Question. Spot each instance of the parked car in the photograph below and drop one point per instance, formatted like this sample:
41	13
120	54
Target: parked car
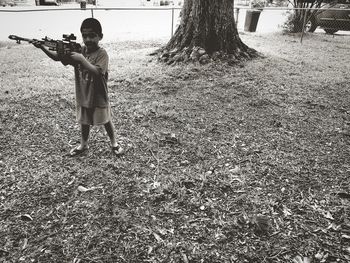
331	17
46	2
7	2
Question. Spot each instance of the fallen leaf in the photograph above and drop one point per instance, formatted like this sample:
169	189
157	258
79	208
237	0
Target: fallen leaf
286	211
262	223
347	237
157	237
184	257
319	255
328	215
26	217
334	227
25	243
299	259
72	181
235	170
3	253
83	189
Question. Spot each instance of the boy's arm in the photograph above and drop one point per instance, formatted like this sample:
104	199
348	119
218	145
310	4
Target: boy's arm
79	58
51	54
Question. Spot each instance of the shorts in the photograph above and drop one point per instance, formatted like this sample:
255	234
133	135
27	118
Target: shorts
93	116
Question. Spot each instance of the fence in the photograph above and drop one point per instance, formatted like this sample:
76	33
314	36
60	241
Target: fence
127	23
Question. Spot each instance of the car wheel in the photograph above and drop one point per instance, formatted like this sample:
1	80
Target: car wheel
330	31
310	26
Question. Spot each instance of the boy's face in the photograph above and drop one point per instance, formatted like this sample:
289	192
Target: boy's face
90	39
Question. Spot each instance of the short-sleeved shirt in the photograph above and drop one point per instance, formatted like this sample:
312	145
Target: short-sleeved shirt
91	90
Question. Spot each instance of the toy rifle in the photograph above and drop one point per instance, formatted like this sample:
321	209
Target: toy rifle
63	47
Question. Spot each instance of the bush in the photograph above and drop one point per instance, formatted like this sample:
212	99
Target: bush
293	23
288	25
282	3
259	4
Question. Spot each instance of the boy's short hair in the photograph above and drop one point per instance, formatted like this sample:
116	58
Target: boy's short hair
92	23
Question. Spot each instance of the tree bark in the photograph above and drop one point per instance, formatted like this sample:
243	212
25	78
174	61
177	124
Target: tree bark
207	30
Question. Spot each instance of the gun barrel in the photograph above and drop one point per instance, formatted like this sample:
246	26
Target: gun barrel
18	39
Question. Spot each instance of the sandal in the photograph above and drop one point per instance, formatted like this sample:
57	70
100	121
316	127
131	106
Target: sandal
118	150
76	151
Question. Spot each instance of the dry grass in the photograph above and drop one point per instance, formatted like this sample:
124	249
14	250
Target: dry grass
223	164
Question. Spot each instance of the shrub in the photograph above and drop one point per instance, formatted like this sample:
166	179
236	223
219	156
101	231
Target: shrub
259	4
293	23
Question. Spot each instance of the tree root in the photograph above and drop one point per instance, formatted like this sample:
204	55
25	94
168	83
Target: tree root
199	55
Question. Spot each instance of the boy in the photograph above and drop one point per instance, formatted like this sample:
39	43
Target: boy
91	74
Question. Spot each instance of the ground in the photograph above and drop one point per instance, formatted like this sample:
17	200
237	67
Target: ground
223	163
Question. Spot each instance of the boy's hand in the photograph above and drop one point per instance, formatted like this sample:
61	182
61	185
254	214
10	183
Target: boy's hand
77	57
37	44
66	61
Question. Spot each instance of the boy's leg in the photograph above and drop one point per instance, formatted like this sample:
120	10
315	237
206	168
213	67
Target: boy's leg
110	131
116	148
85	131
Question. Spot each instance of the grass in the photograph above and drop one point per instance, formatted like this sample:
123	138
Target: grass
224	164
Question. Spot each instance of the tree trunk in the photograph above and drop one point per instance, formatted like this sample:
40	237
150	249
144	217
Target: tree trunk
207	30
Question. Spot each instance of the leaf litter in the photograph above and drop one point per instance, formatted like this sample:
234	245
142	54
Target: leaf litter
223	164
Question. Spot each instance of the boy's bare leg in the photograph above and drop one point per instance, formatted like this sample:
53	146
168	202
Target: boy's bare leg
85	131
116	149
110	131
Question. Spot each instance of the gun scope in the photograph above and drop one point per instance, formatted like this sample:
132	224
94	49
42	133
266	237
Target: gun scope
69	37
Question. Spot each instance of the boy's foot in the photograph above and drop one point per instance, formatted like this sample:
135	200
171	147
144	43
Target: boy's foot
78	150
117	150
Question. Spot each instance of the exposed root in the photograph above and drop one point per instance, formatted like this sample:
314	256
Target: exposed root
200	55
